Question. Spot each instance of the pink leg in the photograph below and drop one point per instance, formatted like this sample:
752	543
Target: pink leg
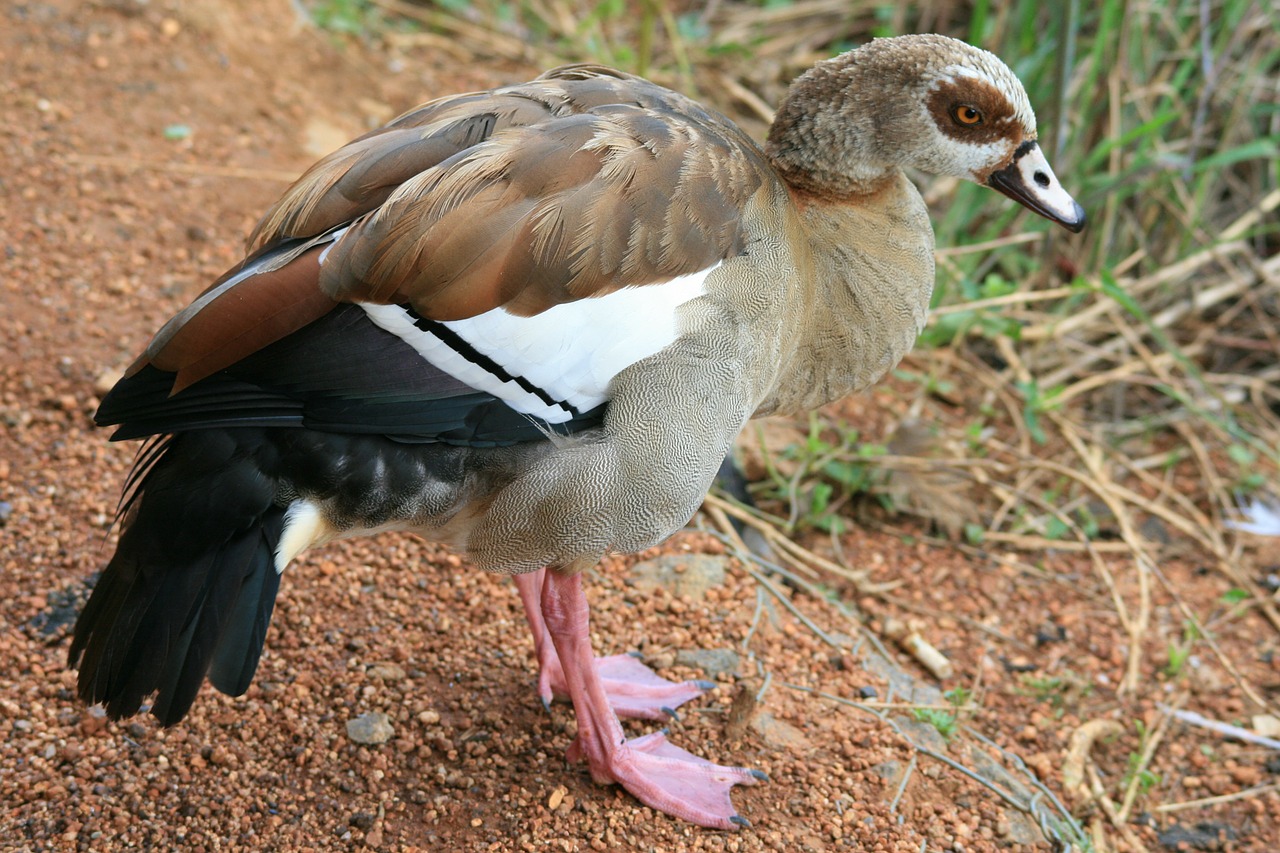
634	690
659	774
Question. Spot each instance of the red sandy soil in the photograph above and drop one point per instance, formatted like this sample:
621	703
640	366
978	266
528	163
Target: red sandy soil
140	142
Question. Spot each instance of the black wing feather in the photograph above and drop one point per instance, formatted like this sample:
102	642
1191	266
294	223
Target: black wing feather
340	374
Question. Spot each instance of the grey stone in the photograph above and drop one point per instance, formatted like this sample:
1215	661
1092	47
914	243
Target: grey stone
682	575
372	728
711	661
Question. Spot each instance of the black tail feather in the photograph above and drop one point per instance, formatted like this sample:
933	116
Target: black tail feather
192	584
236	658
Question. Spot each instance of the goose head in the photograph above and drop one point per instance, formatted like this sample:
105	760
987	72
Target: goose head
926	102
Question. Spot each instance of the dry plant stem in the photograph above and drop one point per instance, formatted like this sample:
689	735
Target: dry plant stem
909	640
747	97
1209	639
1208	802
1132	370
1024	542
483	41
1202	530
1082	741
1090	548
805	561
1010	299
1222	498
795	611
435	42
1109	809
923	750
133	164
1144	760
1100	482
726	527
720	510
1000	301
1224	729
1253	217
902	787
1078	324
876	708
998	389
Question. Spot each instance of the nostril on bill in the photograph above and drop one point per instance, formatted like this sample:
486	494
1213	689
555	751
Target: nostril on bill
1041	179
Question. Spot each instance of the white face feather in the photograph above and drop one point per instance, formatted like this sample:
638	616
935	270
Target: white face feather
988	68
970	161
974	158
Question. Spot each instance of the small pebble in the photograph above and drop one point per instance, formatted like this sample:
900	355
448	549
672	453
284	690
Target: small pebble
372	728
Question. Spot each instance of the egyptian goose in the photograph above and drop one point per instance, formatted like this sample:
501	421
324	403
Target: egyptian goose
528	323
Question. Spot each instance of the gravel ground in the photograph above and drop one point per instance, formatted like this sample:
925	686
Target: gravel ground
141	141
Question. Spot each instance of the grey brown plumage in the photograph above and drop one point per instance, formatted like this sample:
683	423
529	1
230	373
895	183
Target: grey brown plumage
578	183
529	323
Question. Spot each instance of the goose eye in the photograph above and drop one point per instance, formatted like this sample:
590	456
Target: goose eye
967	115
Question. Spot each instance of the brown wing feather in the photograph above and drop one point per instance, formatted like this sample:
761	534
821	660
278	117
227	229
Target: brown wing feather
576	184
240	321
573	185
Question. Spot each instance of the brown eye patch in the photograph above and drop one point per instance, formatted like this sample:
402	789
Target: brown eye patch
972	110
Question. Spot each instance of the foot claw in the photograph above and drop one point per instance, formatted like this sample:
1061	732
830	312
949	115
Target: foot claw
670	712
705	685
760	775
739	820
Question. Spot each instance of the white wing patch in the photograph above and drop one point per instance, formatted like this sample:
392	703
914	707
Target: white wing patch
556	363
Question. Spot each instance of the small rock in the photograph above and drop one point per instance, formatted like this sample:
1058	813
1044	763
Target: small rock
779	734
682	574
1267	725
387	671
892	773
1019	830
557	797
372	728
107	380
1246	775
1205	835
711	661
362	821
1219	784
93	721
